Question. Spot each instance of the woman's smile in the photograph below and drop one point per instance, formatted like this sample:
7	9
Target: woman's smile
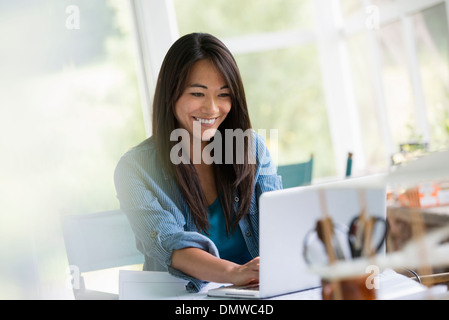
206	122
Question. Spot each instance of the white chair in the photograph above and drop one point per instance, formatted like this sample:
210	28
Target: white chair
97	241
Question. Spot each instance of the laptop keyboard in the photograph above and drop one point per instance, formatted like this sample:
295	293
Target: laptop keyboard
253	287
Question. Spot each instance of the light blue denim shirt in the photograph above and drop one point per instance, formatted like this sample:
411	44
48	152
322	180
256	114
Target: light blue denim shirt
162	222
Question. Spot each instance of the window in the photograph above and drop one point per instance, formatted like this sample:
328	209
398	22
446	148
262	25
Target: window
366	100
275	47
399	67
397	83
365	84
74	106
432	41
70	109
350	7
233	18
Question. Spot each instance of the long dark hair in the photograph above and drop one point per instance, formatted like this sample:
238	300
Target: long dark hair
234	179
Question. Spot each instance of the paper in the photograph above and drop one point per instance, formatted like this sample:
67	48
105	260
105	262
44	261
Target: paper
150	285
396	286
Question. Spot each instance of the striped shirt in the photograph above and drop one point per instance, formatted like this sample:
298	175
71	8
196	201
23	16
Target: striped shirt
162	221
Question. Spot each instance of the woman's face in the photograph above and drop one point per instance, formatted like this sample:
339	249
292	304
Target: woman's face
205	101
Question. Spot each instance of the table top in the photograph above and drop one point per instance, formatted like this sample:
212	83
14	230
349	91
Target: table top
148	285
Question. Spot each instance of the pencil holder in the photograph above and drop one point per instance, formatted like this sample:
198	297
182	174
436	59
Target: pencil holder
353	288
327	244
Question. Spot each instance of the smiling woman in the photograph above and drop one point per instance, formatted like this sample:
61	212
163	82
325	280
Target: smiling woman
196	219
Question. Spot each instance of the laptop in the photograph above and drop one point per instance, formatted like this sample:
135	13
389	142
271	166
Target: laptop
286	217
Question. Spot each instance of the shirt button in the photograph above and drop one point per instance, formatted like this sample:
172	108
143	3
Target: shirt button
154	234
236	199
248	234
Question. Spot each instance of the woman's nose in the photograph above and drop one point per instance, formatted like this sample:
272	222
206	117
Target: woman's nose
210	106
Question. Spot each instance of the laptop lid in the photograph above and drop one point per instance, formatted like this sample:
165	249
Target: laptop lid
286	216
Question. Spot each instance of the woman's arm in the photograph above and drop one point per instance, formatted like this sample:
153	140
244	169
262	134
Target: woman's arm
155	217
203	265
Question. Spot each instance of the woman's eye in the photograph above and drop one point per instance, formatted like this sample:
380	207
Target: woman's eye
197	94
224	95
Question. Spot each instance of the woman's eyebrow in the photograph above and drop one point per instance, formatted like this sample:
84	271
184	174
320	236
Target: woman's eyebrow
197	85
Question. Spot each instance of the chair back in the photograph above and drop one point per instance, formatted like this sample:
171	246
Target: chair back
295	175
100	240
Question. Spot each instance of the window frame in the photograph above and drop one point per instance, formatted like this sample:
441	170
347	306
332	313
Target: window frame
151	47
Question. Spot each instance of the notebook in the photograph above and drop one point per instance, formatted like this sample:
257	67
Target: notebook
286	216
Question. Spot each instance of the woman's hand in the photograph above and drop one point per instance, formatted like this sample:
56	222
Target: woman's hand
245	274
202	265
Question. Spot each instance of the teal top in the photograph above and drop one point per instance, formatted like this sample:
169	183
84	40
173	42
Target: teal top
233	247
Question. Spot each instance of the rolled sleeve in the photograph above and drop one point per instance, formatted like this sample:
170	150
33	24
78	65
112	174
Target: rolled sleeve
190	240
157	222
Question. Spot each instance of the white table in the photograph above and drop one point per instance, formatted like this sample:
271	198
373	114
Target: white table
149	285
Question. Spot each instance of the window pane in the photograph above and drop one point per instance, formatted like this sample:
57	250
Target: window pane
374	148
381	2
431	29
225	18
284	92
70	109
397	86
350	7
81	109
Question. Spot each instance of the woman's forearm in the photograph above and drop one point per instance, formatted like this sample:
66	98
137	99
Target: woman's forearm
204	266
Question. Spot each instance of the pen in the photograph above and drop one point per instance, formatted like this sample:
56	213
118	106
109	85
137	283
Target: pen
349	165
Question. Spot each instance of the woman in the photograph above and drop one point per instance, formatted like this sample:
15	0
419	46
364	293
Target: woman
191	190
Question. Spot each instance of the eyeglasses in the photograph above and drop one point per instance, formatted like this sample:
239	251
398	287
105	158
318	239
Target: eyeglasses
364	237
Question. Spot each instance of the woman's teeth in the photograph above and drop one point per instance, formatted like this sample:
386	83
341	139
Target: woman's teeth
205	121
